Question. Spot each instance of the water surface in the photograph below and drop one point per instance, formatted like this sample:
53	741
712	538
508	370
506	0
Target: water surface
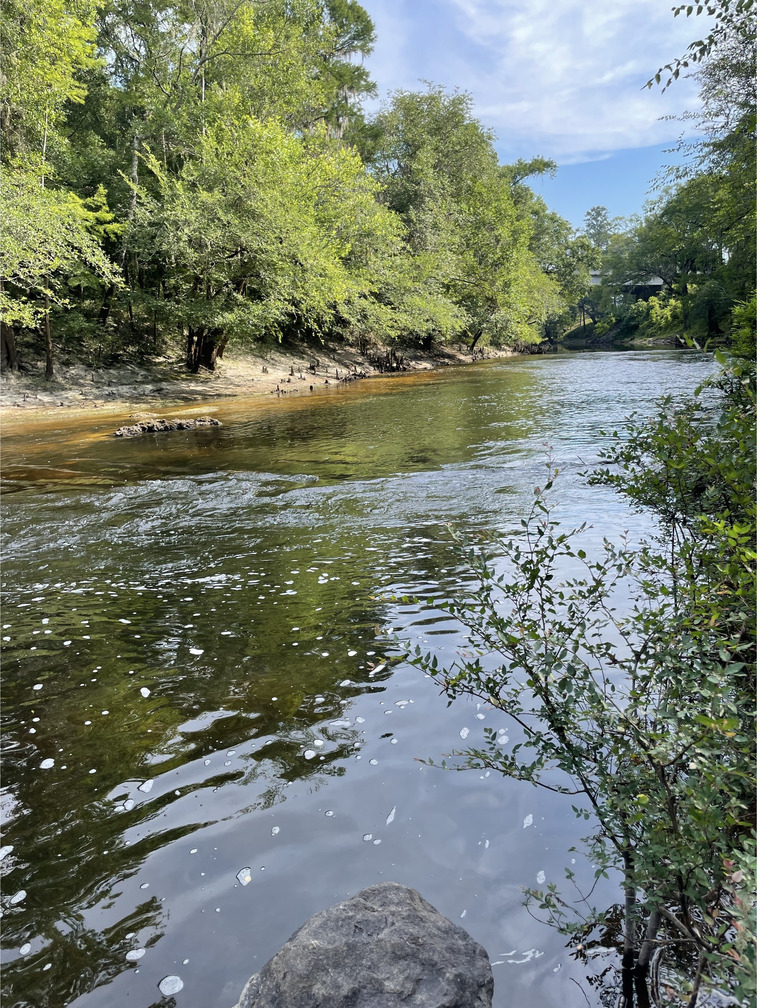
194	683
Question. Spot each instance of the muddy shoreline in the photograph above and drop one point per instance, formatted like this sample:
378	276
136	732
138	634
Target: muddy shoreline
78	390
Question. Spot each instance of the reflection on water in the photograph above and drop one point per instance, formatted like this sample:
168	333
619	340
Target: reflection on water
198	682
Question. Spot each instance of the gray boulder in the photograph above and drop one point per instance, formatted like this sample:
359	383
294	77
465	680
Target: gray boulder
385	947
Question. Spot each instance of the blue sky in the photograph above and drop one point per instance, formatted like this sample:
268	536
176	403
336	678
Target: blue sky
559	78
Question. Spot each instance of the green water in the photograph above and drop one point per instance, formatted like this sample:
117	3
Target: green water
194	630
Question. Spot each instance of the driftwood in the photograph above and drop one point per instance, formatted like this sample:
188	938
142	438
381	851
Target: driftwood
154	426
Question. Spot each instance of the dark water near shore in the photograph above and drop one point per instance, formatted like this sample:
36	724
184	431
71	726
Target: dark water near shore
195	627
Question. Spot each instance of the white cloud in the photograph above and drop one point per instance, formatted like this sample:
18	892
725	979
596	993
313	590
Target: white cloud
564	78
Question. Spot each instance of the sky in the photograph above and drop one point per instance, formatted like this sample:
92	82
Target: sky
559	78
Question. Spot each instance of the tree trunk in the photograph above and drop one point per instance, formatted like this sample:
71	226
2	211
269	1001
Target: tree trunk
628	935
136	141
9	353
475	340
49	374
641	969
210	349
195	342
9	349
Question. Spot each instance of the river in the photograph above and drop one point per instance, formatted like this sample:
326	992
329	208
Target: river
195	630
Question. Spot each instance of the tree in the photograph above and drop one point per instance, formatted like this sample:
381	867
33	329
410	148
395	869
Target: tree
599	227
47	45
48	251
439	172
262	233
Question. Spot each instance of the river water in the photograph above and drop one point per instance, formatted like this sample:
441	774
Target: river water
203	745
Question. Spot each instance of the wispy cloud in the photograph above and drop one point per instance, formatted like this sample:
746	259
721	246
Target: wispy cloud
564	78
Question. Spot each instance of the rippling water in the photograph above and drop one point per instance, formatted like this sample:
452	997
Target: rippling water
194	689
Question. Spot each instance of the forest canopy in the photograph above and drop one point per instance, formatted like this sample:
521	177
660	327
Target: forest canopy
181	177
204	173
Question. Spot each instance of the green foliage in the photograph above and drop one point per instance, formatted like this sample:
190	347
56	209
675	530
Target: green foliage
50	246
47	45
734	19
630	682
225	138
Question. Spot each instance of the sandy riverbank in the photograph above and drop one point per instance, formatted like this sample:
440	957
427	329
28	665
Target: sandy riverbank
77	389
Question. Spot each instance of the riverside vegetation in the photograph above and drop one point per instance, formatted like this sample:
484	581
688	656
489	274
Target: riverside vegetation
185	178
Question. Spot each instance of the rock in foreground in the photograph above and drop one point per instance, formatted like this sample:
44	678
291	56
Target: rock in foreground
151	426
385	947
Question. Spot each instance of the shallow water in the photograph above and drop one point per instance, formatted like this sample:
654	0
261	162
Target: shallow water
201	746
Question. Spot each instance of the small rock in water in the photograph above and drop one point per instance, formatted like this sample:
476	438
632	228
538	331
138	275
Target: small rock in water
309	753
376	842
196	651
329	813
274	831
134	955
464	733
367	836
170	985
4	851
390	817
244	876
541	877
373	762
18	897
25	949
146	786
145	691
528	821
359	720
46	764
128	805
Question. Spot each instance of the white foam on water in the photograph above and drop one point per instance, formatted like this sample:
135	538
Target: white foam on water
170	985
